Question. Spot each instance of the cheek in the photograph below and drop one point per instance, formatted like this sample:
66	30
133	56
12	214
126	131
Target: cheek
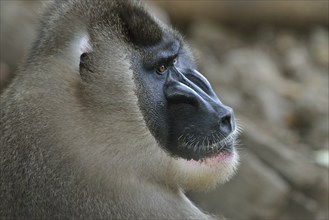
194	175
153	106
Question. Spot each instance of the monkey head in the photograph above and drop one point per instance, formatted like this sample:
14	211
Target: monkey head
194	131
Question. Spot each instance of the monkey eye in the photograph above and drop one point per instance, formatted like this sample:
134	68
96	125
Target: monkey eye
161	69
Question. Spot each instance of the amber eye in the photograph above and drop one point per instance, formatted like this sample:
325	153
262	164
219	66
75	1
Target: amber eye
161	69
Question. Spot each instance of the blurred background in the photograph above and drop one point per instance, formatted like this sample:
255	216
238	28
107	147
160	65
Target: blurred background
268	60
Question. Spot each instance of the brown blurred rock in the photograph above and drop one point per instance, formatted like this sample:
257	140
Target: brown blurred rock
4	72
4	75
319	46
291	164
301	13
320	195
18	21
301	207
256	192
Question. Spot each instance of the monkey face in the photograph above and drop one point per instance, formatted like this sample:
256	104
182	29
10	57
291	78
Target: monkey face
179	105
156	80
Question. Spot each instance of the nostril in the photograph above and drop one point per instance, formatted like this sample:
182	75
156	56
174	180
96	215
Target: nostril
225	124
226	120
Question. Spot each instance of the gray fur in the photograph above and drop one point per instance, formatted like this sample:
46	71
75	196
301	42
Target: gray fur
77	149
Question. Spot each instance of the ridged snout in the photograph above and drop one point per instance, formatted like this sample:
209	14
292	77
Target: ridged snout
187	87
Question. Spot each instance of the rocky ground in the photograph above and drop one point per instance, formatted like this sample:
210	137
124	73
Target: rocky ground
276	79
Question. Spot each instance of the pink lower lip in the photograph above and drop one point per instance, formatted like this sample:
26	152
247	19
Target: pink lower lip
222	157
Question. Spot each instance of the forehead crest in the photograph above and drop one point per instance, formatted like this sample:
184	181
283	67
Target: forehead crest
139	26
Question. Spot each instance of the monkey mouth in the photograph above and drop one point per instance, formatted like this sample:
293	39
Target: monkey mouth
223	156
206	149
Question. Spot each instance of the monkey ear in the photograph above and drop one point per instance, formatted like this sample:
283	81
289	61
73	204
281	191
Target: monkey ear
82	49
85	64
139	27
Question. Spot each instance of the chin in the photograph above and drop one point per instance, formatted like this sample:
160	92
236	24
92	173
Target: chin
206	173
